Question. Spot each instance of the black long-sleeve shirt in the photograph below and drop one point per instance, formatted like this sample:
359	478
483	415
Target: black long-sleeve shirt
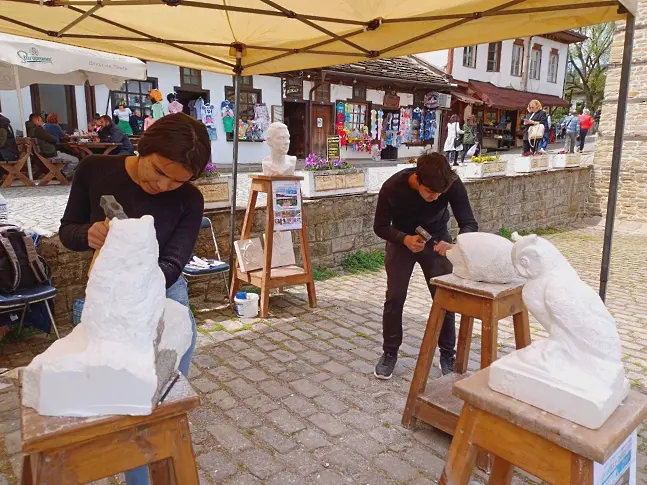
177	213
400	209
113	134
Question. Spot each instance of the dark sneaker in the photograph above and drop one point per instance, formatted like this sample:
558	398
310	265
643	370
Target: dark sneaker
447	364
385	366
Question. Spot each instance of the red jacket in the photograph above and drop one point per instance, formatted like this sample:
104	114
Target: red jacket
586	122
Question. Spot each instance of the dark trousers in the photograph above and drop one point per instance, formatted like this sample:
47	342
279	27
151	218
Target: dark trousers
466	147
399	265
583	133
452	156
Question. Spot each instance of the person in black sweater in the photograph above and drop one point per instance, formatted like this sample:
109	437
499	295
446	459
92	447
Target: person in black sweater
172	152
111	133
418	197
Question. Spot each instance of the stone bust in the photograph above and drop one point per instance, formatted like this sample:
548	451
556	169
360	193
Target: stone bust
279	162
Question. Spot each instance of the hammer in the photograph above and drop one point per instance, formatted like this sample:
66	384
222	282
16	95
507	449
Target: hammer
112	209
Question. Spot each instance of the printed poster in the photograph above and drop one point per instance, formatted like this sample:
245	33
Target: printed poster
620	469
286	200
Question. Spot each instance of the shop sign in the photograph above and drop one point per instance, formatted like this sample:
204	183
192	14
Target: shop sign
293	88
391	101
334	148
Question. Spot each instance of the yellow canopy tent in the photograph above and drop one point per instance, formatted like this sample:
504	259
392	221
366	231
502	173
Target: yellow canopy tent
246	37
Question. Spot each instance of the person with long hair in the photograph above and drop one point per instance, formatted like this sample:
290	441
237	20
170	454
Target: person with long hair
454	141
536	116
172	152
471	136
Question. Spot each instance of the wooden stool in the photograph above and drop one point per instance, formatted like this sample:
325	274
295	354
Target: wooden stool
487	302
72	451
268	277
551	448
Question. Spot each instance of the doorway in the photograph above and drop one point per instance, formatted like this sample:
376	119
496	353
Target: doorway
322	127
294	117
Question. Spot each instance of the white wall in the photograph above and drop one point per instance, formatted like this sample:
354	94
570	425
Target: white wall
503	78
436	58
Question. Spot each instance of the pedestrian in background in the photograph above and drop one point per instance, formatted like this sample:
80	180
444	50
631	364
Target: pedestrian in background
571	128
470	135
535	116
454	141
586	123
543	144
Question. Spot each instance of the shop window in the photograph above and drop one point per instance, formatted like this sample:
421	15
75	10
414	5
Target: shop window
55	98
493	56
248	98
358	116
491	117
190	77
134	94
516	67
553	63
469	56
322	93
359	92
534	72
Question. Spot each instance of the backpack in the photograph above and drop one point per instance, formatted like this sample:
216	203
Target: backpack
20	265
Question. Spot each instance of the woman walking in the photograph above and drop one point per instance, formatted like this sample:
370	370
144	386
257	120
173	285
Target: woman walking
586	123
535	116
454	142
470	136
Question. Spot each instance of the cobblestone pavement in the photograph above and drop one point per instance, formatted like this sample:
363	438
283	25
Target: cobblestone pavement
292	400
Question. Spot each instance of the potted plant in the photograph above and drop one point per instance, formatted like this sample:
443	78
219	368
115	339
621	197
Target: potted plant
534	163
215	188
565	160
410	163
323	177
484	166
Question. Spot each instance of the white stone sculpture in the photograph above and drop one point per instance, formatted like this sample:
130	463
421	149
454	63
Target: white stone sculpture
282	249
576	373
249	253
279	162
481	256
128	346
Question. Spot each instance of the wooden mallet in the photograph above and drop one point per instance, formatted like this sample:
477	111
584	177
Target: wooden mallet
112	209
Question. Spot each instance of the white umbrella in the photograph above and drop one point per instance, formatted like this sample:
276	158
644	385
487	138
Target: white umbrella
24	62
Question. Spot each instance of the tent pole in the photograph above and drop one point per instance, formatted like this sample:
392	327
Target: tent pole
617	152
234	166
21	108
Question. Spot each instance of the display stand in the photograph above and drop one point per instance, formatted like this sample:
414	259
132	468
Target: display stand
487	302
73	451
551	448
268	277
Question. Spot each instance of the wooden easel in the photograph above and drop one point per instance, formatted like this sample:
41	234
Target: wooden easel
268	277
487	302
73	451
518	434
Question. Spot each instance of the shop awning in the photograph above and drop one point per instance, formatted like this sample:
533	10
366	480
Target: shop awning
508	98
466	98
286	35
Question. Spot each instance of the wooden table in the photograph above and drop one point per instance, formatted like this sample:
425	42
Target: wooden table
86	148
471	299
553	449
74	451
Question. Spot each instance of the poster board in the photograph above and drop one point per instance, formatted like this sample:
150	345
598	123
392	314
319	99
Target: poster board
620	468
333	147
286	202
277	114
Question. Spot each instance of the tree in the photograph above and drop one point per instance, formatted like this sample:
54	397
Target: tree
588	62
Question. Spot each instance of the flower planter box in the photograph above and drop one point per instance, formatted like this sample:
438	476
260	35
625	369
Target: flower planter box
333	182
531	164
565	160
215	190
484	170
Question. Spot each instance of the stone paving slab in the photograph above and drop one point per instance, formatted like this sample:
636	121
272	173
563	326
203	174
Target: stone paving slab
295	402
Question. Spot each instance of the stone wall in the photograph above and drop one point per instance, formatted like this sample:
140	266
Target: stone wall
341	225
632	195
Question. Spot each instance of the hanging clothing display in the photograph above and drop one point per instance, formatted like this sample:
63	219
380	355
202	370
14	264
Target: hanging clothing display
211	130
227	113
207	115
175	107
261	117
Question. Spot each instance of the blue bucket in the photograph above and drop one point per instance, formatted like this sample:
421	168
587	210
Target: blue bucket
77	310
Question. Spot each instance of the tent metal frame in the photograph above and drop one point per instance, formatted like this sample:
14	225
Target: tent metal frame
276	10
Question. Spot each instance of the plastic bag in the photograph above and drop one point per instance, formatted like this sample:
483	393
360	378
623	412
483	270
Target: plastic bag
473	151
